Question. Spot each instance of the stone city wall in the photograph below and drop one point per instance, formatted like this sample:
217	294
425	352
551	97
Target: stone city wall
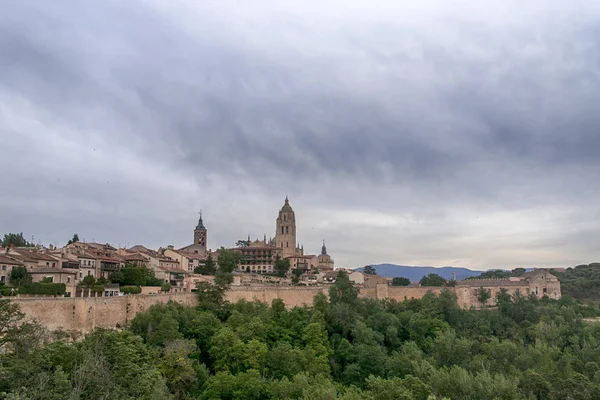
85	314
291	296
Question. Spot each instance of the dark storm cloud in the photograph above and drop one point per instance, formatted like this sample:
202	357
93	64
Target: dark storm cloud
429	115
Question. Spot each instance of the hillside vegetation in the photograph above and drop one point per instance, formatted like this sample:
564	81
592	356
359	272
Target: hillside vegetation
343	348
581	282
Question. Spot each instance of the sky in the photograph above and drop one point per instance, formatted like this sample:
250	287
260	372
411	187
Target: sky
434	133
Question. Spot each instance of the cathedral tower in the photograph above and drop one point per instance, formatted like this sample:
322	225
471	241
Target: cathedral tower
200	234
285	234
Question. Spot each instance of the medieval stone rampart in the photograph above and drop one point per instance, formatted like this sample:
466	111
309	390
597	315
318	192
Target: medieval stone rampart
291	296
84	314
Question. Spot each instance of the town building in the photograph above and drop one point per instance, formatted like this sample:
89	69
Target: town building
539	282
260	255
6	266
200	239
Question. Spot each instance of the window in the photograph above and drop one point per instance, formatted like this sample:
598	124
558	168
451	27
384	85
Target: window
536	290
2	278
544	290
282	230
287	229
68	279
4	268
287	244
47	264
285	217
53	265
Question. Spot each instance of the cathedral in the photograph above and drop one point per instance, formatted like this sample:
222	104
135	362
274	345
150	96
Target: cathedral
259	256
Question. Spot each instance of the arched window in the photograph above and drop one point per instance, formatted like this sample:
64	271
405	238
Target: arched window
285	217
287	244
287	229
282	230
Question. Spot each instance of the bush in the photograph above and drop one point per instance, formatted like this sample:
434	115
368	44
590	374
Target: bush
6	291
165	287
52	289
131	289
98	288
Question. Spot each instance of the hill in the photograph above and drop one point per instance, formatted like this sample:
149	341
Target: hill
581	282
416	273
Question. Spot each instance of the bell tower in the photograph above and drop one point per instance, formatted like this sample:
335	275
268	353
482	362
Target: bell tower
200	234
285	234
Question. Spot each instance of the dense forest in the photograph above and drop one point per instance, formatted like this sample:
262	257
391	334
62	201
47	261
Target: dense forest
581	282
342	348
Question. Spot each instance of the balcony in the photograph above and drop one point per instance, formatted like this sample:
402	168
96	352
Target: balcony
109	266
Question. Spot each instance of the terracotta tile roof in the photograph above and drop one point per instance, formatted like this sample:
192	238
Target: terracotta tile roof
9	261
23	257
32	255
134	257
46	270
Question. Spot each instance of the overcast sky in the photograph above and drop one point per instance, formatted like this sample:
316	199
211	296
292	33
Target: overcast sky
417	133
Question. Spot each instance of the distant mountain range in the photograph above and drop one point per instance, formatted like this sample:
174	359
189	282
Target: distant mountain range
416	273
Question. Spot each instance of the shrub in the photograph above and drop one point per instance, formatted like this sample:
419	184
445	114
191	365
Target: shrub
98	288
52	289
6	291
131	289
165	287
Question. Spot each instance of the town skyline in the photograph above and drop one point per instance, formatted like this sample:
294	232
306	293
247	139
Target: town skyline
416	134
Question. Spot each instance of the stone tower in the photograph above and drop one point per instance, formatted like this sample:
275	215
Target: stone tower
200	234
285	234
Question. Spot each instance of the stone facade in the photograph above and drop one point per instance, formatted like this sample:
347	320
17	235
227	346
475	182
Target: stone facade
285	231
85	314
538	282
260	255
200	239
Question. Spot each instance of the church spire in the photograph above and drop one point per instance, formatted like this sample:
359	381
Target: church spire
323	249
200	222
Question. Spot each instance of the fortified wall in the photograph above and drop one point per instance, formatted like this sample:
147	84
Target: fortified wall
84	314
291	296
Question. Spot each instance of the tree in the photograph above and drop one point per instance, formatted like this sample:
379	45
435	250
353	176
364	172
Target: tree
135	276
242	243
483	295
432	280
400	281
343	290
227	259
208	268
88	281
297	273
178	369
16	240
370	270
19	276
165	287
75	239
14	331
281	267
